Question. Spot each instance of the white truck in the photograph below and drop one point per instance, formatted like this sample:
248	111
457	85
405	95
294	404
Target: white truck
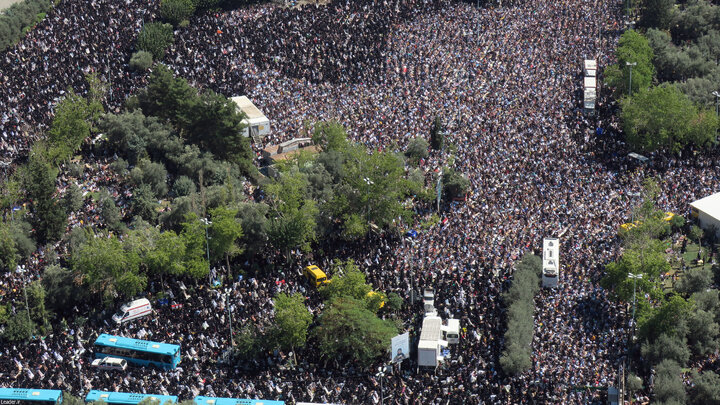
429	301
431	343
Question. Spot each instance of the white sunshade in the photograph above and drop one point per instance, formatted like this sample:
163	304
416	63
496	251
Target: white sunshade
710	205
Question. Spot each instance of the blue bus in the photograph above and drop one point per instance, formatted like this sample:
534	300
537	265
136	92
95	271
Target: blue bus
139	352
126	398
22	396
234	401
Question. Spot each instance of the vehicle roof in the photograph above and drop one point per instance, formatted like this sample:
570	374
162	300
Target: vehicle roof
137	344
30	393
202	400
126	397
136	303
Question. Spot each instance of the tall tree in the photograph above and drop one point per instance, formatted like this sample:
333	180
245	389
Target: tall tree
70	127
107	269
657	13
226	231
292	320
633	48
663	117
293	214
48	214
348	329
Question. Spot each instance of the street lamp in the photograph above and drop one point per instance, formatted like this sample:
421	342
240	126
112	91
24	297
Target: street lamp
381	374
207	223
368	182
631	66
227	303
635	278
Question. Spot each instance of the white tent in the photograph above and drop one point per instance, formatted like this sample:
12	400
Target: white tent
707	211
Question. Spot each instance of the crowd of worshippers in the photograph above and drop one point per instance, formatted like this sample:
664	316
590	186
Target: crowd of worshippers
506	82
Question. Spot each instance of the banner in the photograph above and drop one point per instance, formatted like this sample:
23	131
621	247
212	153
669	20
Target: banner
400	348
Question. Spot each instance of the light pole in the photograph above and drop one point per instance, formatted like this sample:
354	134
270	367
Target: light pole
631	66
207	223
635	278
381	374
227	303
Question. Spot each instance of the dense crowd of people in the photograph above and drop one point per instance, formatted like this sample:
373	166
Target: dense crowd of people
505	82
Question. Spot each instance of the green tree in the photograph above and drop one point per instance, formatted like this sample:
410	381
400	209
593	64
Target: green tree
702	332
107	269
141	61
633	48
70	127
330	136
696	234
670	318
183	186
73	198
417	149
176	11
634	383
155	37
706	388
348	329
8	251
437	138
349	282
668	383
255	226
69	399
166	255
249	343
226	231
292	223
62	290
110	212
193	235
18	327
663	117
215	124
516	357
292	320
152	174
144	203
48	214
167	97
666	347
455	184
657	13
694	280
38	311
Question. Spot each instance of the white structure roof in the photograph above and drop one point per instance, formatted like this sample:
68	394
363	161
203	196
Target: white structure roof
710	205
248	107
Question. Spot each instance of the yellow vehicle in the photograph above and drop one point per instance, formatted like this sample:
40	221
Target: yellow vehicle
315	275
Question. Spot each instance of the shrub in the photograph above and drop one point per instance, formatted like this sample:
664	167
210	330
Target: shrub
176	11
141	60
155	37
183	186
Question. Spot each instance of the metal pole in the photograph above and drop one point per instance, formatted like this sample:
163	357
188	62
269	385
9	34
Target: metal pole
207	249
382	392
630	86
227	299
27	307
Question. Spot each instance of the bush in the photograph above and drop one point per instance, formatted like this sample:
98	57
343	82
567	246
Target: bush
141	60
417	149
176	11
516	357
183	186
155	37
18	327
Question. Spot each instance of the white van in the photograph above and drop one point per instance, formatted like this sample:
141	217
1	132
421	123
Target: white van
452	331
110	363
133	310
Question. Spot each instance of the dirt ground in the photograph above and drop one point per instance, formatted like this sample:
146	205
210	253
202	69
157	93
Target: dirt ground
7	3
